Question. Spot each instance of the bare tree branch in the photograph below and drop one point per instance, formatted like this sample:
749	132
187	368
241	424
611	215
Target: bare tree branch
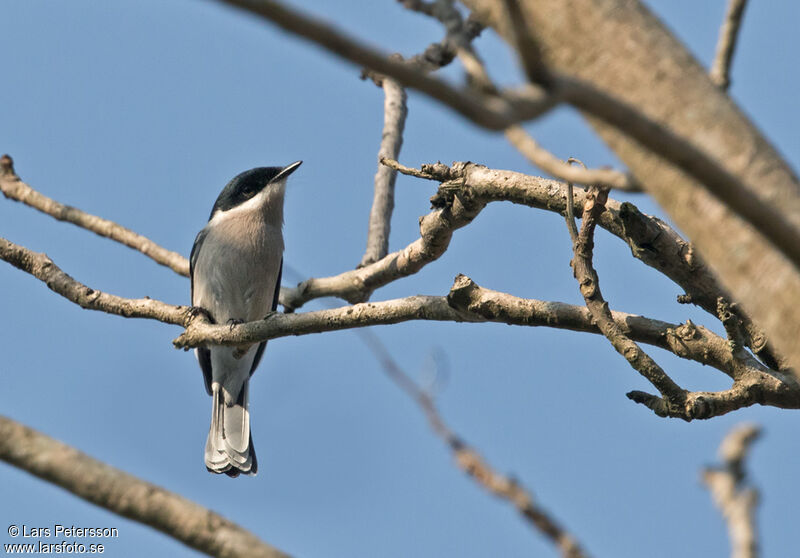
633	64
43	268
674	401
726	44
466	302
470	461
380	217
582	266
770	222
436	230
14	188
437	55
735	497
687	340
126	495
650	240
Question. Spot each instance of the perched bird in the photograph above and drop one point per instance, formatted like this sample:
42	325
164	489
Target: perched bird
235	268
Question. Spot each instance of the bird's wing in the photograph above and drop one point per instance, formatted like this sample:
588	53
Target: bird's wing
198	244
203	354
262	346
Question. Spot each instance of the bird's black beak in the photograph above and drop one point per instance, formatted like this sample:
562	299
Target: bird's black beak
287	170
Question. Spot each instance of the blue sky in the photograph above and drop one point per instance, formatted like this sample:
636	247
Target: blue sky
140	112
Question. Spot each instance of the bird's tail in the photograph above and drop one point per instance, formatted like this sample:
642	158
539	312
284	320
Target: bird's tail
229	447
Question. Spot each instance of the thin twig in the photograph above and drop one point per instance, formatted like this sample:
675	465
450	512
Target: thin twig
126	495
736	498
14	188
470	461
726	44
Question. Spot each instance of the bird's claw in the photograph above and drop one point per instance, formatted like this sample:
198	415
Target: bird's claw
195	311
233	322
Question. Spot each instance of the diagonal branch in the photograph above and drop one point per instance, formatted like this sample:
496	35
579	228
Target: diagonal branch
14	188
735	497
470	461
43	268
673	395
454	210
126	495
726	44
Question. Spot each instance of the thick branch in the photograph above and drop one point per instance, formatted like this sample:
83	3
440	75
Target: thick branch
735	497
726	44
687	340
13	188
126	495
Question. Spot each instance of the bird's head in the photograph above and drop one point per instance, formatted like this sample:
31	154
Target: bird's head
254	189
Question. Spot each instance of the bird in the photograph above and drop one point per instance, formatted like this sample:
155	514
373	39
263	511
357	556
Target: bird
235	269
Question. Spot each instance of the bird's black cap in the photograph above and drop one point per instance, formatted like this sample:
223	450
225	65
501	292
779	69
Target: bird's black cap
249	183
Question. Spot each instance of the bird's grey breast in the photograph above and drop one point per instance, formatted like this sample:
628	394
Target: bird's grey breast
237	267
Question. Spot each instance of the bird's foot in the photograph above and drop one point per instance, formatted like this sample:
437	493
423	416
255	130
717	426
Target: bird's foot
233	322
195	311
